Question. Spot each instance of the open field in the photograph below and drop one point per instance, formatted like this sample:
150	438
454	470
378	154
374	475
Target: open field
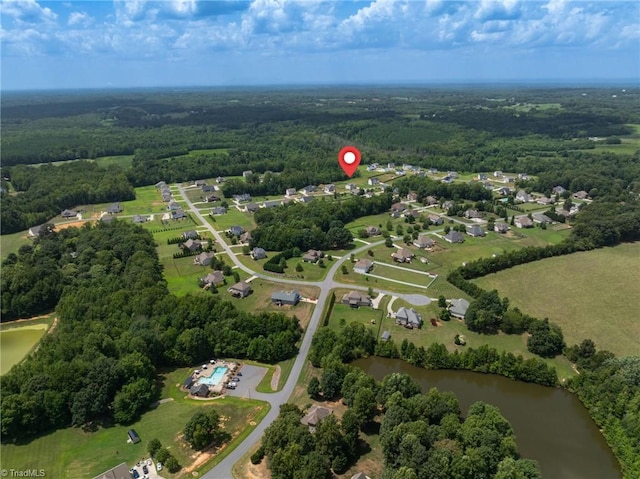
18	338
11	243
233	217
590	295
123	161
310	272
74	453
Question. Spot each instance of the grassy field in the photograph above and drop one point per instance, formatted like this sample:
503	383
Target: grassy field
12	242
233	217
590	295
18	338
311	272
59	453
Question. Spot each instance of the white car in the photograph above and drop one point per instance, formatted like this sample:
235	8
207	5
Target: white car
159	466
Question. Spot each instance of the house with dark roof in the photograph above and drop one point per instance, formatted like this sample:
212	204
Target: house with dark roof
458	308
200	390
286	297
69	213
500	227
409	318
305	199
35	230
435	219
363	266
523	221
258	253
219	210
581	195
373	230
243	198
504	191
472	214
192	245
240	290
558	190
203	259
314	416
475	231
114	208
140	219
215	278
424	241
447	205
290	192
355	299
211	198
173	205
236	230
252	207
373	181
523	197
199	182
178	214
454	237
312	256
191	234
329	189
208	188
271	204
541	218
403	255
307	190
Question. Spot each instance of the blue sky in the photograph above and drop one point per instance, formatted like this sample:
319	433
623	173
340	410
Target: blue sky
121	43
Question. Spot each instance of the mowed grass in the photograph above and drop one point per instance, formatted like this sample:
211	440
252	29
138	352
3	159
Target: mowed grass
11	243
591	294
17	339
73	453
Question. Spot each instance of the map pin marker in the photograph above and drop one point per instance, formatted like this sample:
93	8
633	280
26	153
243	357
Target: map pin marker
349	159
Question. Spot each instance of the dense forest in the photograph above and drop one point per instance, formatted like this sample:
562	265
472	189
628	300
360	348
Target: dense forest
117	324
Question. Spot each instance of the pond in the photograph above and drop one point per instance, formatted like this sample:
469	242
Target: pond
551	424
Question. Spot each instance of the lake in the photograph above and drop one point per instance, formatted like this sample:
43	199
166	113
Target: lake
551	424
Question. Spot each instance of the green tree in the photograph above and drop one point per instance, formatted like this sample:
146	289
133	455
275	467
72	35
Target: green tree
442	301
313	388
388	242
153	447
204	429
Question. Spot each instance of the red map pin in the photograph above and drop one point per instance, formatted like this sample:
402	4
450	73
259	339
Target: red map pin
349	159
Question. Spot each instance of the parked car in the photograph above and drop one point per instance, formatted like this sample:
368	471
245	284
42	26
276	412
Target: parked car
235	379
145	469
136	474
159	466
239	373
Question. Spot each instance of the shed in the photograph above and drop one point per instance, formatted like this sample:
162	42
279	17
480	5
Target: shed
133	436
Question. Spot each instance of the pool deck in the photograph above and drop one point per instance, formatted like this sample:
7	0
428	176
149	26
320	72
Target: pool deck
207	373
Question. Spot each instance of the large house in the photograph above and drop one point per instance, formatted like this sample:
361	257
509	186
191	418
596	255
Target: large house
312	256
218	210
454	237
458	308
500	227
271	204
355	299
307	190
214	279
240	290
475	231
314	416
203	259
430	201
258	253
192	245
435	219
212	198
363	266
408	317
523	197
114	208
541	218
373	231
140	219
472	214
373	181
329	189
252	207
236	230
523	221
290	192
403	255
286	297
245	237
243	198
191	234
424	241
178	214
68	214
208	188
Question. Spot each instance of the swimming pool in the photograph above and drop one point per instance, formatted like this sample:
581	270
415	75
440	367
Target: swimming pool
215	378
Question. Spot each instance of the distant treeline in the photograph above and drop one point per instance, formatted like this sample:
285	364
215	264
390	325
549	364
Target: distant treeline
117	324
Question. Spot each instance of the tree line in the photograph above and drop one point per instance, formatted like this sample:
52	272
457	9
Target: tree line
117	324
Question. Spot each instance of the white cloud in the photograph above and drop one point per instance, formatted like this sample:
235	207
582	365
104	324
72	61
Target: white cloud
28	11
79	18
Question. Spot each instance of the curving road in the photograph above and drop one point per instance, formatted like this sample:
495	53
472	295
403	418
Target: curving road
223	469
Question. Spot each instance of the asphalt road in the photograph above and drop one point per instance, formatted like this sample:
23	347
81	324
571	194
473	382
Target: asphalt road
223	469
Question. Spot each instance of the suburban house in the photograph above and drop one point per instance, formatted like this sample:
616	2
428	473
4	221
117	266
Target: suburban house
508	179
373	181
497	174
314	416
258	253
523	176
247	173
203	259
121	471
329	189
412	196
173	205
363	266
211	198
403	255
114	208
140	219
372	167
541	218
305	199
69	214
160	184
192	245
558	190
447	205
240	290
398	207
166	197
424	241
208	188
430	201
290	192
178	214
373	230
243	198
236	230
252	207
581	195
452	174
500	227
447	179
409	318
307	190
199	183
435	219
35	230
312	256
458	308
245	237
475	231
220	179
355	299
454	237
271	204
414	213
523	221
350	187
432	171
191	234
545	200
218	210
523	197
481	177
286	297
472	214
504	191
214	278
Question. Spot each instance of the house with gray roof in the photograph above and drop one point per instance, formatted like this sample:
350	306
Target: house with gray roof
541	218
192	245
363	266
435	219
200	390
244	197
454	237
178	214
500	227
373	230
219	210
355	299
523	221
114	208
458	308
258	253
312	256
475	231
314	416
271	203
69	213
424	241
208	188
523	197
240	290
290	192
140	219
286	297
121	471
191	234
203	259
252	207
236	230
409	318
215	278
403	255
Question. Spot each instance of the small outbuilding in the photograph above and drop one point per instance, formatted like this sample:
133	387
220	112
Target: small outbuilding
133	436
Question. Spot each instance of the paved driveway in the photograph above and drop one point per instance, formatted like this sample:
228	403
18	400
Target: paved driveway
251	377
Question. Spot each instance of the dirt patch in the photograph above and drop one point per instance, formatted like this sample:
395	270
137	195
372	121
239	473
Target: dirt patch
256	471
275	378
76	224
53	326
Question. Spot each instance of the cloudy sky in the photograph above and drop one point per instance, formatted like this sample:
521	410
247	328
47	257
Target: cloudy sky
122	43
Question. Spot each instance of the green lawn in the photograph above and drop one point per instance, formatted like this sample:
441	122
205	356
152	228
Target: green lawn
123	161
12	242
18	338
590	295
310	272
233	217
74	453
